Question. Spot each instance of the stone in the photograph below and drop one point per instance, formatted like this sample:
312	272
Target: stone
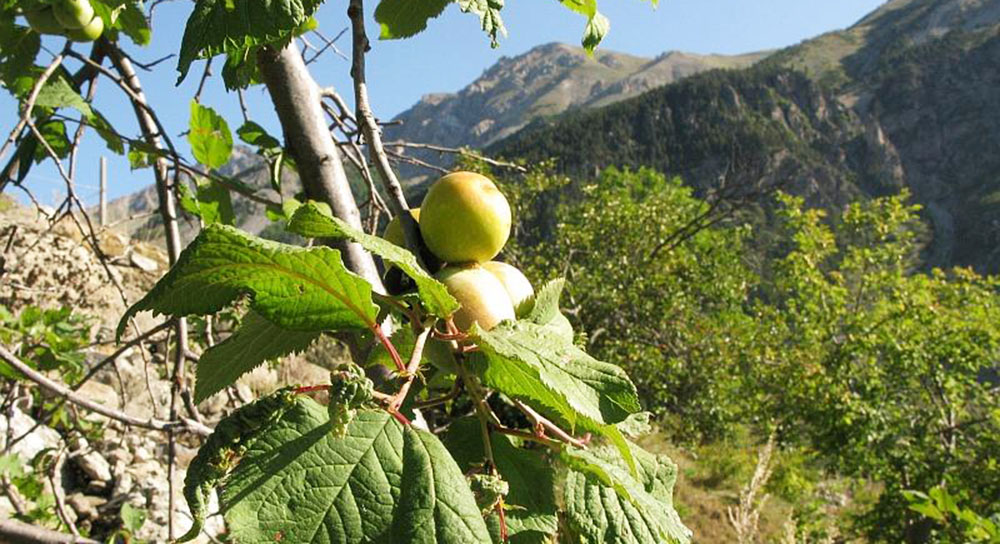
40	438
143	263
95	466
85	506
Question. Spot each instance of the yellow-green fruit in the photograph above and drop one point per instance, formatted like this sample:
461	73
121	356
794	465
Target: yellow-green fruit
483	298
394	230
465	218
88	33
43	21
73	14
517	285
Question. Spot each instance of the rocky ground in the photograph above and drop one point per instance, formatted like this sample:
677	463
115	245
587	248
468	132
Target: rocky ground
54	266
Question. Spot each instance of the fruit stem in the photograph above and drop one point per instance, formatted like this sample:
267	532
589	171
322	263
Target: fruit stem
310	389
389	347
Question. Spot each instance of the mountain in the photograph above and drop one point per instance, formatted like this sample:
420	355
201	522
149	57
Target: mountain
546	81
906	98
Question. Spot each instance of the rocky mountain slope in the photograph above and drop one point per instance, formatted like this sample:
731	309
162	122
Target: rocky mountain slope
907	97
546	81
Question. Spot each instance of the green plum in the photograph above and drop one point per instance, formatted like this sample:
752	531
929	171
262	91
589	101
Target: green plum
394	230
74	14
483	298
515	283
88	33
464	218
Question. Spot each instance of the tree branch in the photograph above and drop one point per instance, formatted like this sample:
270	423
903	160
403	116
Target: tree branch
296	99
15	532
63	391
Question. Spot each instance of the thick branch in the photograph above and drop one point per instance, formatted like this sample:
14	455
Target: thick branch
296	100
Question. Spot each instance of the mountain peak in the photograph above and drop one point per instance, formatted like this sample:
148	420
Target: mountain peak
545	80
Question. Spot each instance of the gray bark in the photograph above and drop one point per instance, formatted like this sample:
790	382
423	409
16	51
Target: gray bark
296	99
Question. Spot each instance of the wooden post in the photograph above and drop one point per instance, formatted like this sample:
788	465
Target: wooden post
104	191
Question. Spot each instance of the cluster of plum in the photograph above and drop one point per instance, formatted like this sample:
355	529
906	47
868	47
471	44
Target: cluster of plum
464	222
74	19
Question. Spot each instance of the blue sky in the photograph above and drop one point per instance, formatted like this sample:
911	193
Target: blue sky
447	56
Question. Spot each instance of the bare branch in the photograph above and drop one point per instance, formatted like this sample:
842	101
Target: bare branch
15	532
61	390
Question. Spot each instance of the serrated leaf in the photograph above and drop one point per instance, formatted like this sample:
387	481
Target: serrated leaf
55	135
19	46
256	341
309	220
545	310
380	483
295	288
488	12
58	92
605	504
209	136
256	135
211	202
405	18
233	26
597	24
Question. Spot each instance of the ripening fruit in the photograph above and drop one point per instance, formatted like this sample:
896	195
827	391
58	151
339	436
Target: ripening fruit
394	230
88	33
465	218
515	283
73	14
482	296
43	21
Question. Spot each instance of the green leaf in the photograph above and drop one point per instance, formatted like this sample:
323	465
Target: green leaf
211	202
256	135
209	135
256	341
380	483
58	92
531	513
545	310
597	24
234	26
488	12
295	288
19	46
533	363
132	518
405	18
55	135
605	504
309	220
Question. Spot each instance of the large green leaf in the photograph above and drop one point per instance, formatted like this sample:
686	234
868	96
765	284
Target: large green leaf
209	136
545	310
604	503
293	287
19	46
309	220
257	340
404	18
233	26
381	483
538	365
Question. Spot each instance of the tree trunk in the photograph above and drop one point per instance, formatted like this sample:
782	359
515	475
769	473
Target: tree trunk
296	100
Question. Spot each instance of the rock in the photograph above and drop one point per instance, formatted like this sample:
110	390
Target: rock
111	243
95	466
143	263
99	392
37	440
85	505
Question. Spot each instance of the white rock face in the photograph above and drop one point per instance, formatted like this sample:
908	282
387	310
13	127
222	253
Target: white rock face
37	439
